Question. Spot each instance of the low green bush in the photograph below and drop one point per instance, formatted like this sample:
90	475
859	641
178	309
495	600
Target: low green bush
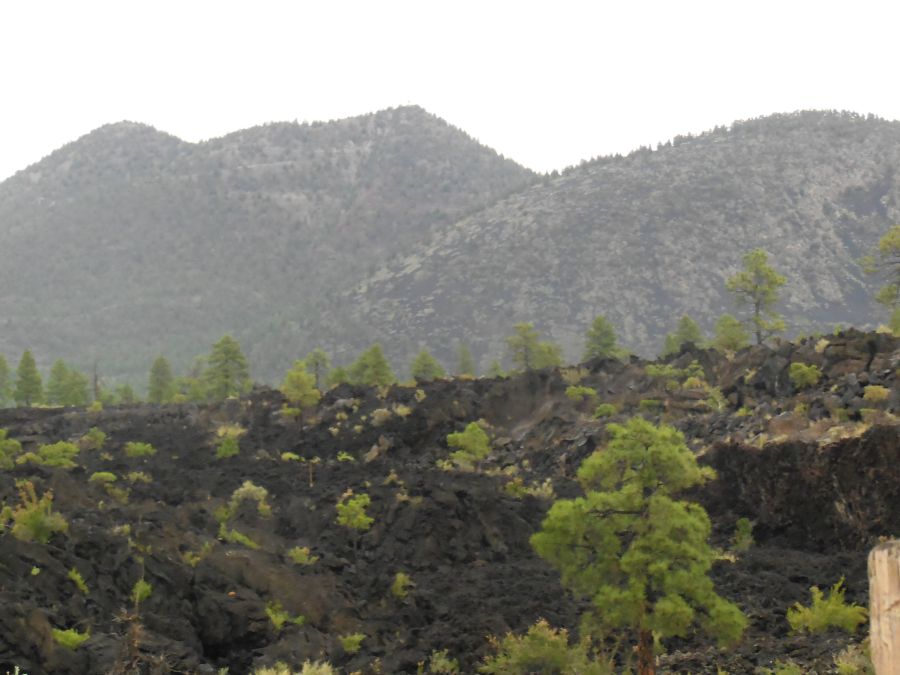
605	410
70	638
578	393
352	642
33	519
472	445
804	376
103	477
826	612
400	587
229	446
137	449
542	649
10	448
93	439
875	393
61	455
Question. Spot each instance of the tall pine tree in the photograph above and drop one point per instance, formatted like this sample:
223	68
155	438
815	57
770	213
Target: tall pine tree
29	387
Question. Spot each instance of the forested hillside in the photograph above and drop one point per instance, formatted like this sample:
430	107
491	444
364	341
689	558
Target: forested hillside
646	238
129	242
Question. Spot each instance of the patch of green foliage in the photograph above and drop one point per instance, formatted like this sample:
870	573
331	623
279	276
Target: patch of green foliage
279	616
70	638
578	393
440	662
10	448
300	555
542	649
743	535
875	393
804	376
228	447
103	477
472	445
605	410
138	449
826	612
650	405
352	514
141	590
93	439
400	587
352	642
33	518
76	578
61	455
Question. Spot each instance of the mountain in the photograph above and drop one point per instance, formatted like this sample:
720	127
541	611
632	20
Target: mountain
129	242
646	238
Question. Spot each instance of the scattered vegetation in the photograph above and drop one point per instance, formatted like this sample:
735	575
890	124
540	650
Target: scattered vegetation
61	455
472	445
76	578
33	518
279	616
300	555
542	649
400	587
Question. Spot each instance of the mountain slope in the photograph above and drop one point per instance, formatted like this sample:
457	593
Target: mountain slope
646	238
129	242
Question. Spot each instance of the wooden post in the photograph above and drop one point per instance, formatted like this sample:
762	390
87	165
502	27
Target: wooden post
884	607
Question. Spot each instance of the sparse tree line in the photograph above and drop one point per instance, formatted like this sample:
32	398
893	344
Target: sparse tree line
225	371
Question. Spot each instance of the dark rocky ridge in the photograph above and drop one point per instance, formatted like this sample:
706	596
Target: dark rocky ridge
819	498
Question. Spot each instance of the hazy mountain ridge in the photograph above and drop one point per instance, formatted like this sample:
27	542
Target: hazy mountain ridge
651	236
130	242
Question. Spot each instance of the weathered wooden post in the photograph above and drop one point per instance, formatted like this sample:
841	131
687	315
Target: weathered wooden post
884	607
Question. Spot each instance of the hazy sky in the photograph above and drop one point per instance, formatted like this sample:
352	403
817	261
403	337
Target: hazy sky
545	83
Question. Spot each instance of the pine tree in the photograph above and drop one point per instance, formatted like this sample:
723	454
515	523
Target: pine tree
465	364
640	554
318	363
29	388
601	340
299	387
730	334
757	287
371	368
125	394
6	390
886	262
228	373
528	353
425	367
161	388
56	384
687	332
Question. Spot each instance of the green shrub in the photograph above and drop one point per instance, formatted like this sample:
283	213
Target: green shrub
352	642
472	445
193	559
785	668
300	555
804	376
138	477
352	512
33	519
400	587
290	457
76	578
440	662
578	393
650	405
141	590
875	393
345	457
234	537
605	410
279	616
227	447
855	659
70	638
137	449
825	613
92	440
10	448
102	477
61	455
743	535
541	650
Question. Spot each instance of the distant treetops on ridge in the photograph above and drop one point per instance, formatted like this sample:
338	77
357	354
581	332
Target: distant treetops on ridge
225	372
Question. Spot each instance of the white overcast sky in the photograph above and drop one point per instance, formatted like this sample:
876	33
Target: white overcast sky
545	83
